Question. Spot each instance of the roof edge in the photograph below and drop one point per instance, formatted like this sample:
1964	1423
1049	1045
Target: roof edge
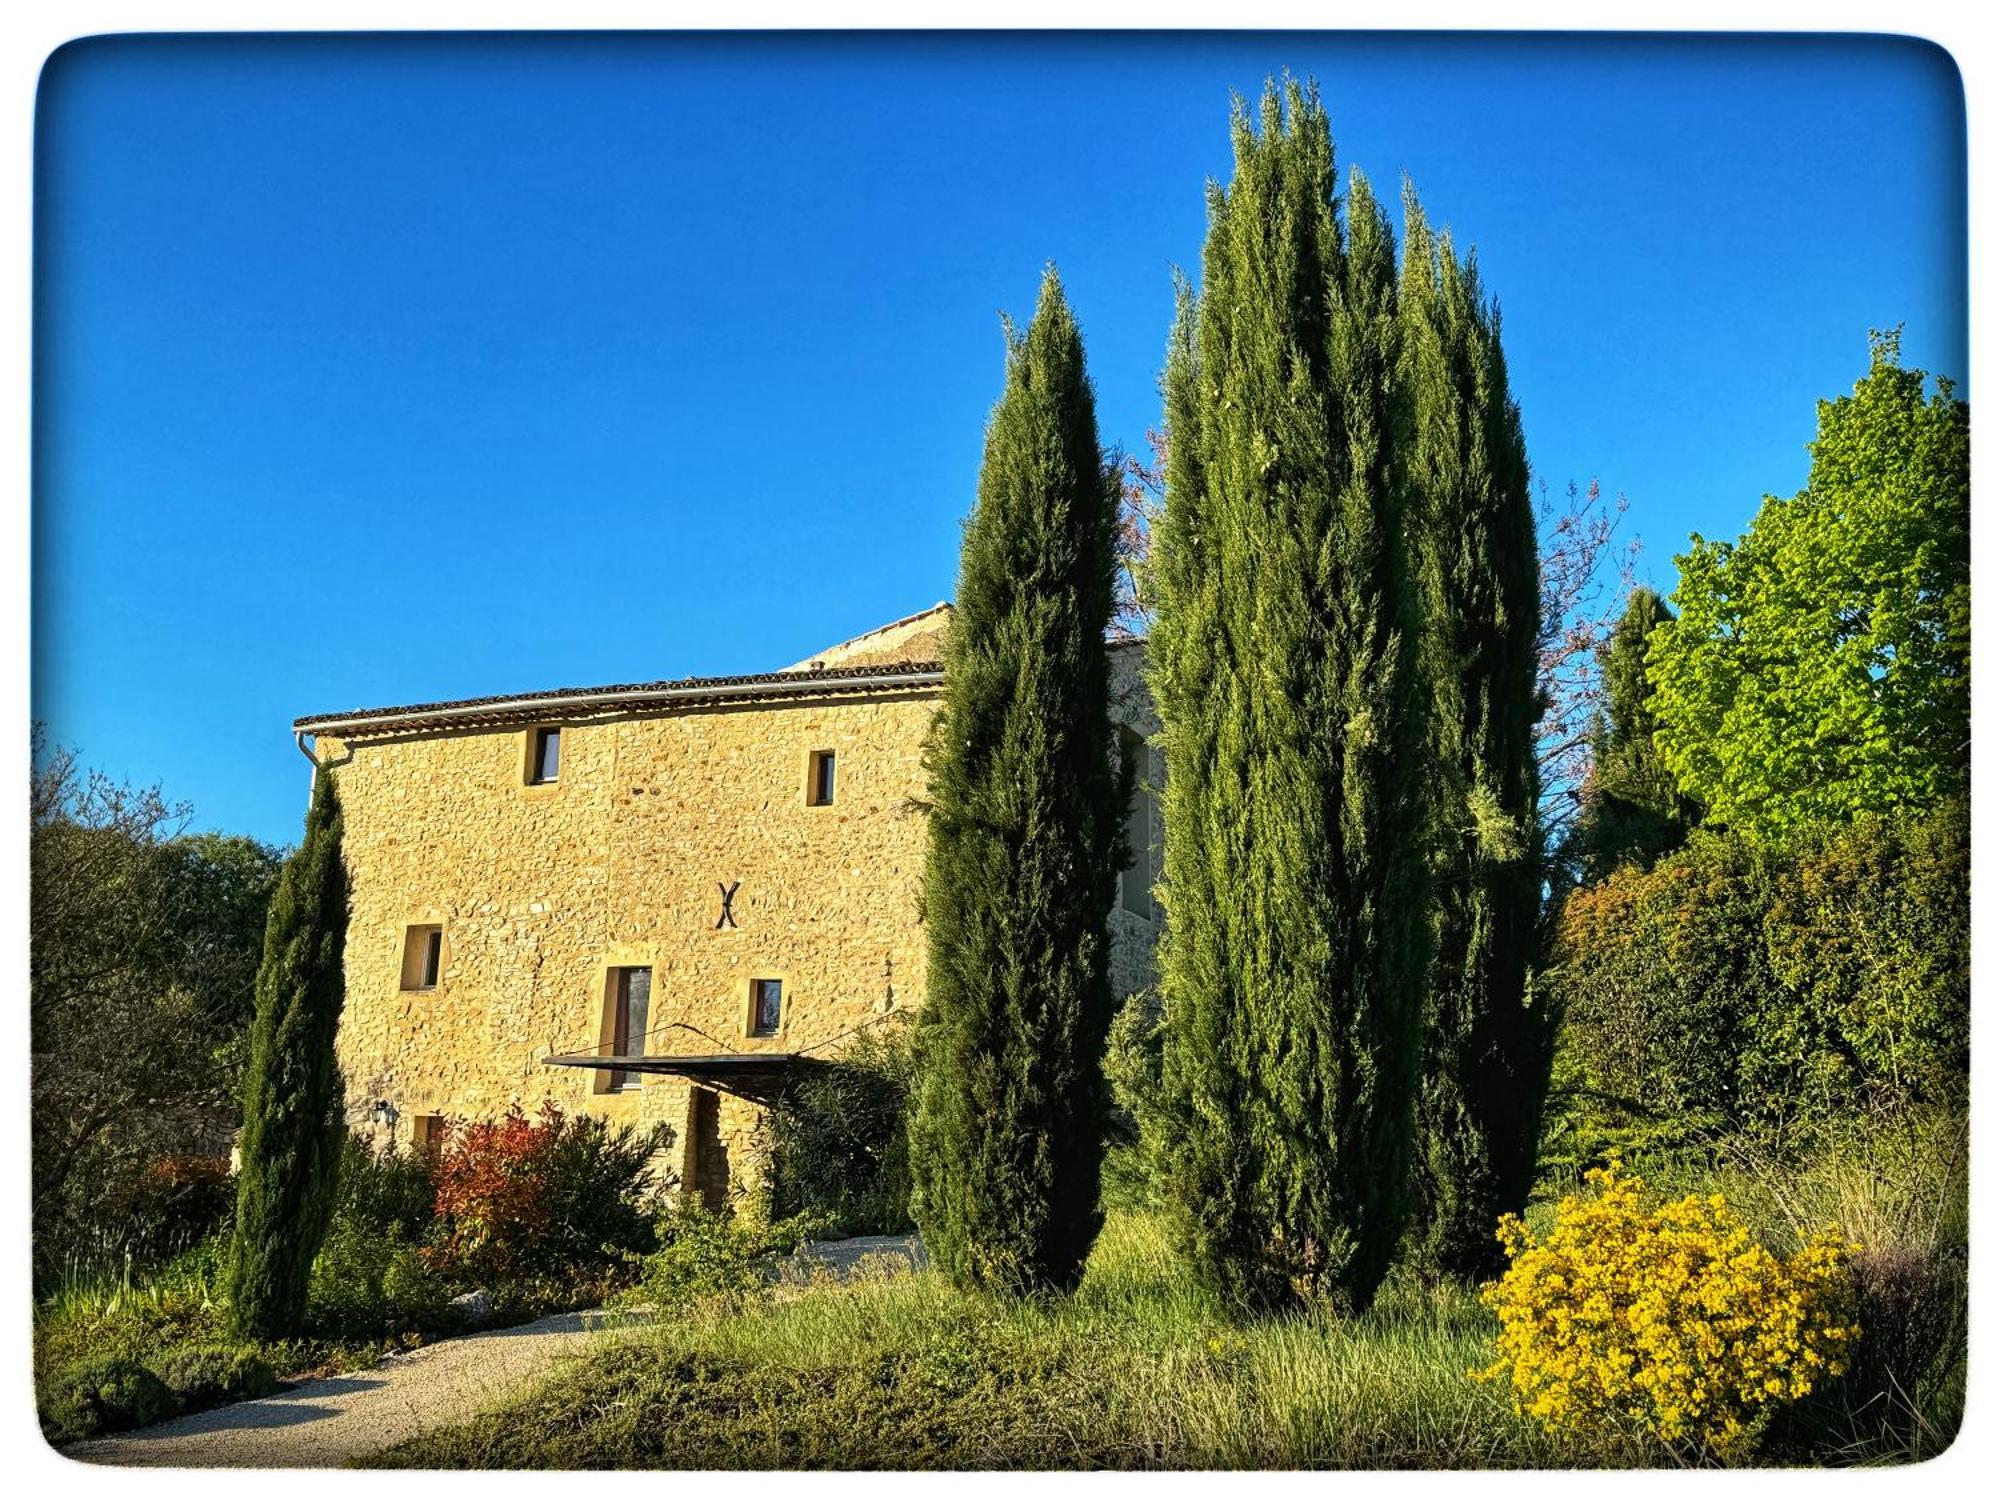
565	702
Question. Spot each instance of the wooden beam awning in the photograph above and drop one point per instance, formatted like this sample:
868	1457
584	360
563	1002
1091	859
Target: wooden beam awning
762	1077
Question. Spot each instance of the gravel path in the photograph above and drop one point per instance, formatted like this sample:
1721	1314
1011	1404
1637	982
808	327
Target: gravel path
331	1423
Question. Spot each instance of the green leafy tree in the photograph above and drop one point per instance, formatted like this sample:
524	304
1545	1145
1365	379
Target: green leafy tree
1282	659
1026	839
292	1126
1634	810
1486	1048
1821	665
143	947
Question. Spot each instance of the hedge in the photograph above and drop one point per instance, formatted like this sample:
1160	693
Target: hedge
1774	987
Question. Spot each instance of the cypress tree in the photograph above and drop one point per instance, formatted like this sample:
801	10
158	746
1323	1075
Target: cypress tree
1283	665
292	1126
1486	1049
1633	810
1026	839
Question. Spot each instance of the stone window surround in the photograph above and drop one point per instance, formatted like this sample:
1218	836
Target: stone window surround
813	758
786	1001
531	744
411	954
620	957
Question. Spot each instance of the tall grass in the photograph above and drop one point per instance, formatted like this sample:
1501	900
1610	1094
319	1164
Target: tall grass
1137	1369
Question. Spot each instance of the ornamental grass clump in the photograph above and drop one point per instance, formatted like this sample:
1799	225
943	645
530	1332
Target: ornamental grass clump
1666	1319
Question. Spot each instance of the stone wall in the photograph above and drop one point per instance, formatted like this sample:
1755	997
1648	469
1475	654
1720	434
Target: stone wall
541	891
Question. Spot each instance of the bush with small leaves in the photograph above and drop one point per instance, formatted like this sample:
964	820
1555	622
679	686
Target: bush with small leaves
209	1375
1665	1319
103	1395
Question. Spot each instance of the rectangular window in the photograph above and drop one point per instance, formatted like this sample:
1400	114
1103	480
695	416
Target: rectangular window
1135	883
767	1006
546	759
425	1132
819	783
423	957
631	994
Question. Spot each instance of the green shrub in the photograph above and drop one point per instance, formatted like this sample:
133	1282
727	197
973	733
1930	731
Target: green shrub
1135	1126
1772	987
705	1255
209	1375
103	1395
171	1204
388	1192
838	1144
366	1284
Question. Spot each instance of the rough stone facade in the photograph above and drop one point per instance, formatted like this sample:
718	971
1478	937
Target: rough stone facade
543	891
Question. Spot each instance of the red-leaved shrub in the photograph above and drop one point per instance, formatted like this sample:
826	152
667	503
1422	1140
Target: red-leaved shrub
520	1197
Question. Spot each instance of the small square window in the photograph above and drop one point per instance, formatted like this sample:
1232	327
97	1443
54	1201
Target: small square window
426	1132
544	756
423	957
767	1006
819	780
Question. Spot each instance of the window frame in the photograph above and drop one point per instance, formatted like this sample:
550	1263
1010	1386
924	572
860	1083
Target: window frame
420	961
822	778
536	754
618	1019
751	1012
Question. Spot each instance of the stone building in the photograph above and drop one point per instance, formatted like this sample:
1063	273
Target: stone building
650	902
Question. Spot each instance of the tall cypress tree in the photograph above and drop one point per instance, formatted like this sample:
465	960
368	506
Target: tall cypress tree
1486	1049
1026	839
1282	661
292	1126
1633	809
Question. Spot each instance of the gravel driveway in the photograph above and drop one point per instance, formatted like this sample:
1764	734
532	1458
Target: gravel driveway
330	1423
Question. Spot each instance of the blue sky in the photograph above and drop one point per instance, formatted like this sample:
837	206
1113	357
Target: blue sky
372	371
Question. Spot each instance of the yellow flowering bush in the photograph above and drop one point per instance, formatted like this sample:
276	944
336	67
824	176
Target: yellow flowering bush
1665	1318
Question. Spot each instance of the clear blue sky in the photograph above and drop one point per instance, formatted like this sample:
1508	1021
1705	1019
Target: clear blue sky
381	370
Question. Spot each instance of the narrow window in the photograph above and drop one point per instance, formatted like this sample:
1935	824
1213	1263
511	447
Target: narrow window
632	989
819	784
425	1132
423	956
1135	882
546	760
767	1006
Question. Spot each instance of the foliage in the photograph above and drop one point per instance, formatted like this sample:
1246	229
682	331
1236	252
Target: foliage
1774	987
1282	661
370	1285
524	1198
704	1255
838	1143
386	1193
1135	1369
1633	809
1668	1319
208	1375
103	1395
292	1130
1821	665
1486	1047
171	1205
1135	1138
143	949
1026	838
